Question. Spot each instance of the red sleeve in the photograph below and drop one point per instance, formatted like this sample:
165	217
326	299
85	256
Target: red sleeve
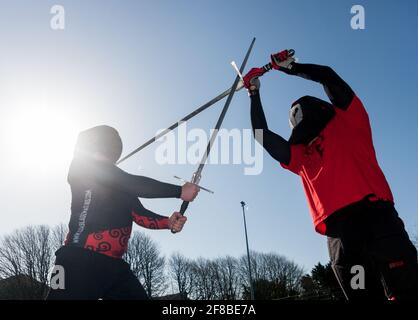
148	219
296	158
150	222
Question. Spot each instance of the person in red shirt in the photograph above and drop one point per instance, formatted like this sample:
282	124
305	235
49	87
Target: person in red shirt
331	149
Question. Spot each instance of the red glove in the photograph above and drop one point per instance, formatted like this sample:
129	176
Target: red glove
251	76
278	58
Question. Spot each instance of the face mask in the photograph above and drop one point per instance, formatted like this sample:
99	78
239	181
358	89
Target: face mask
308	116
295	115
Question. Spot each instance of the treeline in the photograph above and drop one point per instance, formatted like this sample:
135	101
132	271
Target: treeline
27	257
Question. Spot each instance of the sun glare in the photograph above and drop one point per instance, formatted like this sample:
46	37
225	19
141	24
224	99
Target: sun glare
41	139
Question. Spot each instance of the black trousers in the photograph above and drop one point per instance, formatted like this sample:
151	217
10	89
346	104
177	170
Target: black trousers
370	234
92	276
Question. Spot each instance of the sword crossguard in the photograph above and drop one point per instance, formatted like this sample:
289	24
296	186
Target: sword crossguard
196	178
196	182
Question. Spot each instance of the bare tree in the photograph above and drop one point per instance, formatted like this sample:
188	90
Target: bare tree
284	275
278	268
180	270
204	281
226	272
26	257
255	261
147	263
58	236
11	263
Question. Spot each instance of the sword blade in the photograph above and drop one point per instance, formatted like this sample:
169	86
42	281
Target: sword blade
197	174
184	119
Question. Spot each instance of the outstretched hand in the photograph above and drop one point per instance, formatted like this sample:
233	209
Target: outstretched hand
176	222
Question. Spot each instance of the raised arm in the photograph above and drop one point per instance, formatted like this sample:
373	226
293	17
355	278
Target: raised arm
337	90
275	145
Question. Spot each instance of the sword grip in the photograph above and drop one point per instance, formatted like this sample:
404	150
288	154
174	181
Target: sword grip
183	209
267	67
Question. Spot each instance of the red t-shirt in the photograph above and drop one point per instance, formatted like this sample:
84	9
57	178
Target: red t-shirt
340	167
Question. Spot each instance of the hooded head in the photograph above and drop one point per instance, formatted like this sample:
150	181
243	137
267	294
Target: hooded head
308	117
101	140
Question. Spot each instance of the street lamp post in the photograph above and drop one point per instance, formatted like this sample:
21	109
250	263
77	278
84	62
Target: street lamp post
248	252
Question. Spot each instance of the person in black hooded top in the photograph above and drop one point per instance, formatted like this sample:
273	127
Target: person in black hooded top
104	205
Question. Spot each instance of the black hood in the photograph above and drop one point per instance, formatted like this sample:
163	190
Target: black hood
101	139
315	114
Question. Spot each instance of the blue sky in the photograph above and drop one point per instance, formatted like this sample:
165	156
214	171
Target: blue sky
141	65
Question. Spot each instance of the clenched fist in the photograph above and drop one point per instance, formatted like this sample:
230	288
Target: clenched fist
176	222
189	192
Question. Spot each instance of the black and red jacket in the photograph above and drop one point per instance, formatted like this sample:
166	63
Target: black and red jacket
105	203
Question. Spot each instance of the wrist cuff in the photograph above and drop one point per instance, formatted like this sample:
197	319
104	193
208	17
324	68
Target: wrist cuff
164	223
